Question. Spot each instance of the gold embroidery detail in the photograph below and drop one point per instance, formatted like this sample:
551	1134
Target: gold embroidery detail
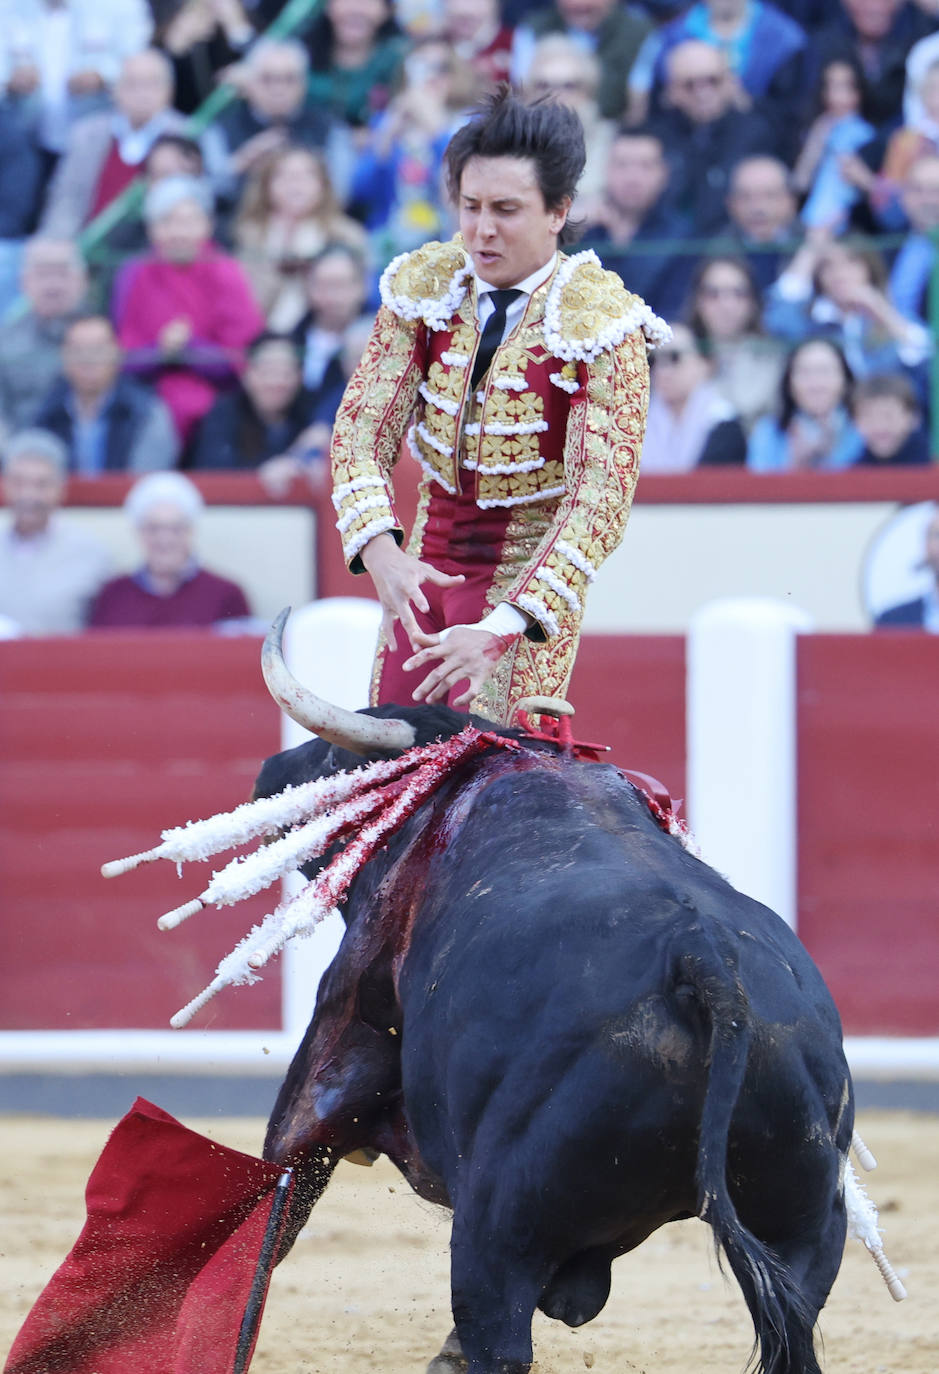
591	301
513	408
448	381
428	272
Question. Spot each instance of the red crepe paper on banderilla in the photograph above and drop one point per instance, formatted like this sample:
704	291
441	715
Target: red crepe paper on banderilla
172	1266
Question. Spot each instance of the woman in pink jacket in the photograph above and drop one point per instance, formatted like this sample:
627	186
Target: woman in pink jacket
186	311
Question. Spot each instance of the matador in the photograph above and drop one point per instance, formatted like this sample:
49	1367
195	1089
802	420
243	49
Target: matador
518	377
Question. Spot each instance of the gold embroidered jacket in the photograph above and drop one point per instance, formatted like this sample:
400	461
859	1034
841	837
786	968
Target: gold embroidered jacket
559	417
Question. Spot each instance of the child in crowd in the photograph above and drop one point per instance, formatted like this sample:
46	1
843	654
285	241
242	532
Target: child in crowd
838	130
888	418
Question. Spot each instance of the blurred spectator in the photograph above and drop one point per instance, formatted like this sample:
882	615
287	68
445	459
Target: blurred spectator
690	423
887	417
50	569
763	218
20	183
813	428
108	422
53	284
875	35
337	289
561	67
919	59
476	33
288	214
838	289
170	589
612	31
172	155
356	52
268	422
634	210
20	176
106	151
913	266
919	137
837	132
60	58
765	50
704	132
275	112
185	312
398	189
202	38
726	317
923	612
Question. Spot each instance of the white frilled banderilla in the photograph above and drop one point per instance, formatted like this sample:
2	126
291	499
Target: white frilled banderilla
360	809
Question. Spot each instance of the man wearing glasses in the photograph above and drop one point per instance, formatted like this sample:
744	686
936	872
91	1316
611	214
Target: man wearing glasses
705	132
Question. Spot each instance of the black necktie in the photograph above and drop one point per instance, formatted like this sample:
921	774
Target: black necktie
492	333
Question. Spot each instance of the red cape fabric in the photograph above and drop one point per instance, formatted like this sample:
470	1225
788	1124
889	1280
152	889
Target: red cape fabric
159	1278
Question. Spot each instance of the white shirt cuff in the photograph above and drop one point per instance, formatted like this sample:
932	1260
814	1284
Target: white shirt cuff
503	620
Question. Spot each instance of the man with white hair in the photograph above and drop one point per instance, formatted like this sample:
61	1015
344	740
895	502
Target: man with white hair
170	589
53	282
275	112
50	568
106	151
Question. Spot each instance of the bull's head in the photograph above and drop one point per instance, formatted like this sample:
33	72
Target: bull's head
350	730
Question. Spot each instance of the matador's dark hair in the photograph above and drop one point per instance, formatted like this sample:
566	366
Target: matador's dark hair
547	132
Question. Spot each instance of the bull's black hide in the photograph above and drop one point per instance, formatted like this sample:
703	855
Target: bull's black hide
558	1022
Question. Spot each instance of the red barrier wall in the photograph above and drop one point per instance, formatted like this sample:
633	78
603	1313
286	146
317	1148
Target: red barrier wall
106	740
868	742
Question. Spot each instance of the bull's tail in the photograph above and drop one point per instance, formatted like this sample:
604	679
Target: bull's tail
782	1321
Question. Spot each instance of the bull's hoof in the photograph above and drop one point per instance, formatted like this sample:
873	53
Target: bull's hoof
451	1359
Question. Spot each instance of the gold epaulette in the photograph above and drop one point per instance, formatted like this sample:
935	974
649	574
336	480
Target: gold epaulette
589	310
427	284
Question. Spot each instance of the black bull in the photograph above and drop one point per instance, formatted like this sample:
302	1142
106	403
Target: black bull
556	1021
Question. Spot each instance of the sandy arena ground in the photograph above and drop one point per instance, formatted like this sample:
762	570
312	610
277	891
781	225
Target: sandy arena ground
366	1285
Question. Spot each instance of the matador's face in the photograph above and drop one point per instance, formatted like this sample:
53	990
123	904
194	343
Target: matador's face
508	230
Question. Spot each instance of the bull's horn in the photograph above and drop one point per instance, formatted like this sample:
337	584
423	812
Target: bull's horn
347	729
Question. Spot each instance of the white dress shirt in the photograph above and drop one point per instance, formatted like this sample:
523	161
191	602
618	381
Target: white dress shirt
530	284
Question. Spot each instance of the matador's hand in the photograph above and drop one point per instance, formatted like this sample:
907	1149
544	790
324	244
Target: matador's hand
397	577
463	653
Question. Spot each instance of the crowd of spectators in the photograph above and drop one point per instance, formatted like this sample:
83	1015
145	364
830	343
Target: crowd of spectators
191	293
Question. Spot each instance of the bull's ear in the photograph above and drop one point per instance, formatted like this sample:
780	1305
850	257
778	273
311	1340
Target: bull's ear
350	730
